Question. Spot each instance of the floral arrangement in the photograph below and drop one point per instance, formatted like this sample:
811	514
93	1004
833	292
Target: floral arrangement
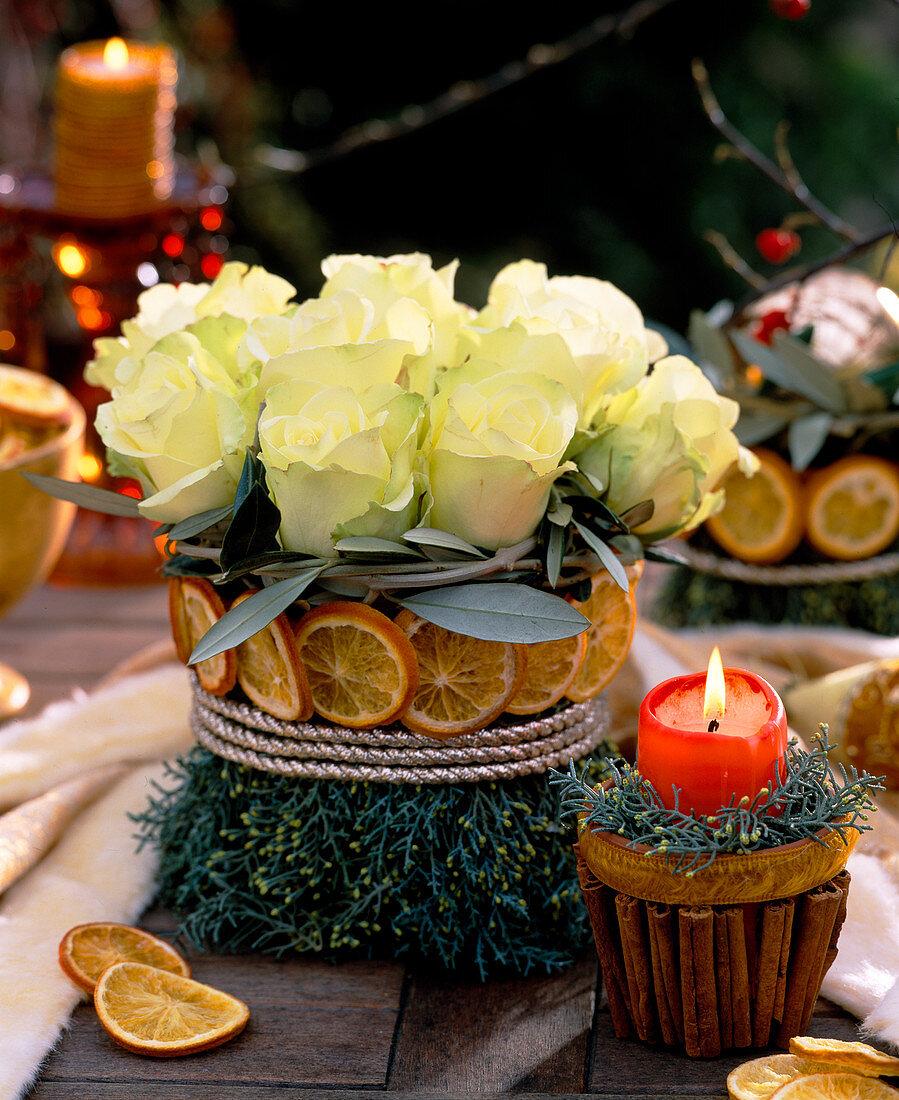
384	439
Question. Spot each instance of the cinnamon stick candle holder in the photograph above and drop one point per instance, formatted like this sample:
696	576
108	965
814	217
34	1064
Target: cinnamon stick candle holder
729	958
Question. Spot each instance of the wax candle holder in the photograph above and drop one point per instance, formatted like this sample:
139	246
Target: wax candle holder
710	951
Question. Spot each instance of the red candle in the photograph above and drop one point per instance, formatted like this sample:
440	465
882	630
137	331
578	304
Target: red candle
711	735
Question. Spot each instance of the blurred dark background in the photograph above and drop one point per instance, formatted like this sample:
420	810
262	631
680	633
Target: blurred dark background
602	164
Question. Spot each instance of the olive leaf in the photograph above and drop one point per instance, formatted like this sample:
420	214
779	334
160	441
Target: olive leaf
202	521
792	366
806	437
606	555
251	615
555	548
254	527
443	540
498	612
91	497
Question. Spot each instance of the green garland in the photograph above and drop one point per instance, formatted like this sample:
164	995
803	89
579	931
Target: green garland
808	798
688	599
470	876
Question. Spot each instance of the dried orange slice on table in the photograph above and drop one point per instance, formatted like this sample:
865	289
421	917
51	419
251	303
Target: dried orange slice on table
612	613
852	509
194	605
360	666
86	950
464	683
270	671
861	1057
762	1077
151	1011
762	520
835	1086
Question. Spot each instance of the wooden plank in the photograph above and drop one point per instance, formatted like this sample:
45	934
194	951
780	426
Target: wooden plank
310	1024
628	1068
226	1090
528	1035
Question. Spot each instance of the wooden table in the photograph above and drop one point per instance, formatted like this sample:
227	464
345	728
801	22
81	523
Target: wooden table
334	1032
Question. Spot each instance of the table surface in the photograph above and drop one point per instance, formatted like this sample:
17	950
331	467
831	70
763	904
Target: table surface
333	1032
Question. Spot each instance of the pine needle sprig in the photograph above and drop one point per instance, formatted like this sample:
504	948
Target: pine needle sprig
807	798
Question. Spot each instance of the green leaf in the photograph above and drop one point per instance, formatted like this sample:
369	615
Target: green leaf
886	379
793	367
367	545
555	548
181	565
433	536
250	616
202	521
254	527
710	343
85	496
754	428
606	555
499	612
806	437
600	514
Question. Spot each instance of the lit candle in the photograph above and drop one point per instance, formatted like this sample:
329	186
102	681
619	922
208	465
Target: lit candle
115	104
712	736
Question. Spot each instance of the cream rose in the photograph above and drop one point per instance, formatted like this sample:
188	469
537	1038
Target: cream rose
669	440
341	464
386	280
496	445
603	328
182	424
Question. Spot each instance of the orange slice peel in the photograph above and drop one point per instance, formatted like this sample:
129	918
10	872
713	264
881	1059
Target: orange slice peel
361	668
86	950
270	671
163	1015
613	615
194	605
852	507
464	683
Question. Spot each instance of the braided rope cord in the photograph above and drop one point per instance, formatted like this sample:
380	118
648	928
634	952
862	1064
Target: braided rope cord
785	575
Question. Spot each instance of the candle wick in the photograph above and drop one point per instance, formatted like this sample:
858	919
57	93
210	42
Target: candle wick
713	725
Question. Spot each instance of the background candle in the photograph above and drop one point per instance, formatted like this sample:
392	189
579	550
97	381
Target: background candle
114	128
675	747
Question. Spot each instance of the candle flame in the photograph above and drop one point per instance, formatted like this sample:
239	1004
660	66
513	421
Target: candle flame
713	704
115	54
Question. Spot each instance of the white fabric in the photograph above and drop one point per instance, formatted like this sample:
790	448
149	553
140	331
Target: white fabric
94	872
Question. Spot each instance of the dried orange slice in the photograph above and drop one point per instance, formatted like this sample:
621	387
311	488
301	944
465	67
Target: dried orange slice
86	950
762	1077
361	668
464	683
270	671
194	605
151	1011
835	1086
861	1057
762	520
613	614
31	398
852	509
552	667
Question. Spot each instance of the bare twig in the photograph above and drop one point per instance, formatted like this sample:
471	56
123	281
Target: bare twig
791	183
459	96
733	259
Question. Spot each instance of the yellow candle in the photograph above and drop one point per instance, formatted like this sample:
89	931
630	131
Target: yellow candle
115	105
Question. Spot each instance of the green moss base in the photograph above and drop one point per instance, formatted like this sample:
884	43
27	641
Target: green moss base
471	877
687	598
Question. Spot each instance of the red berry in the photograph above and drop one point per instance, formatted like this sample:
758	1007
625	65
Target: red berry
790	9
769	324
778	245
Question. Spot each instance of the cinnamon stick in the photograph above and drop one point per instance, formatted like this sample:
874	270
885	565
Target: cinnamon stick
772	925
811	939
750	925
597	898
661	924
637	965
698	986
784	962
722	969
739	977
666	1024
841	882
